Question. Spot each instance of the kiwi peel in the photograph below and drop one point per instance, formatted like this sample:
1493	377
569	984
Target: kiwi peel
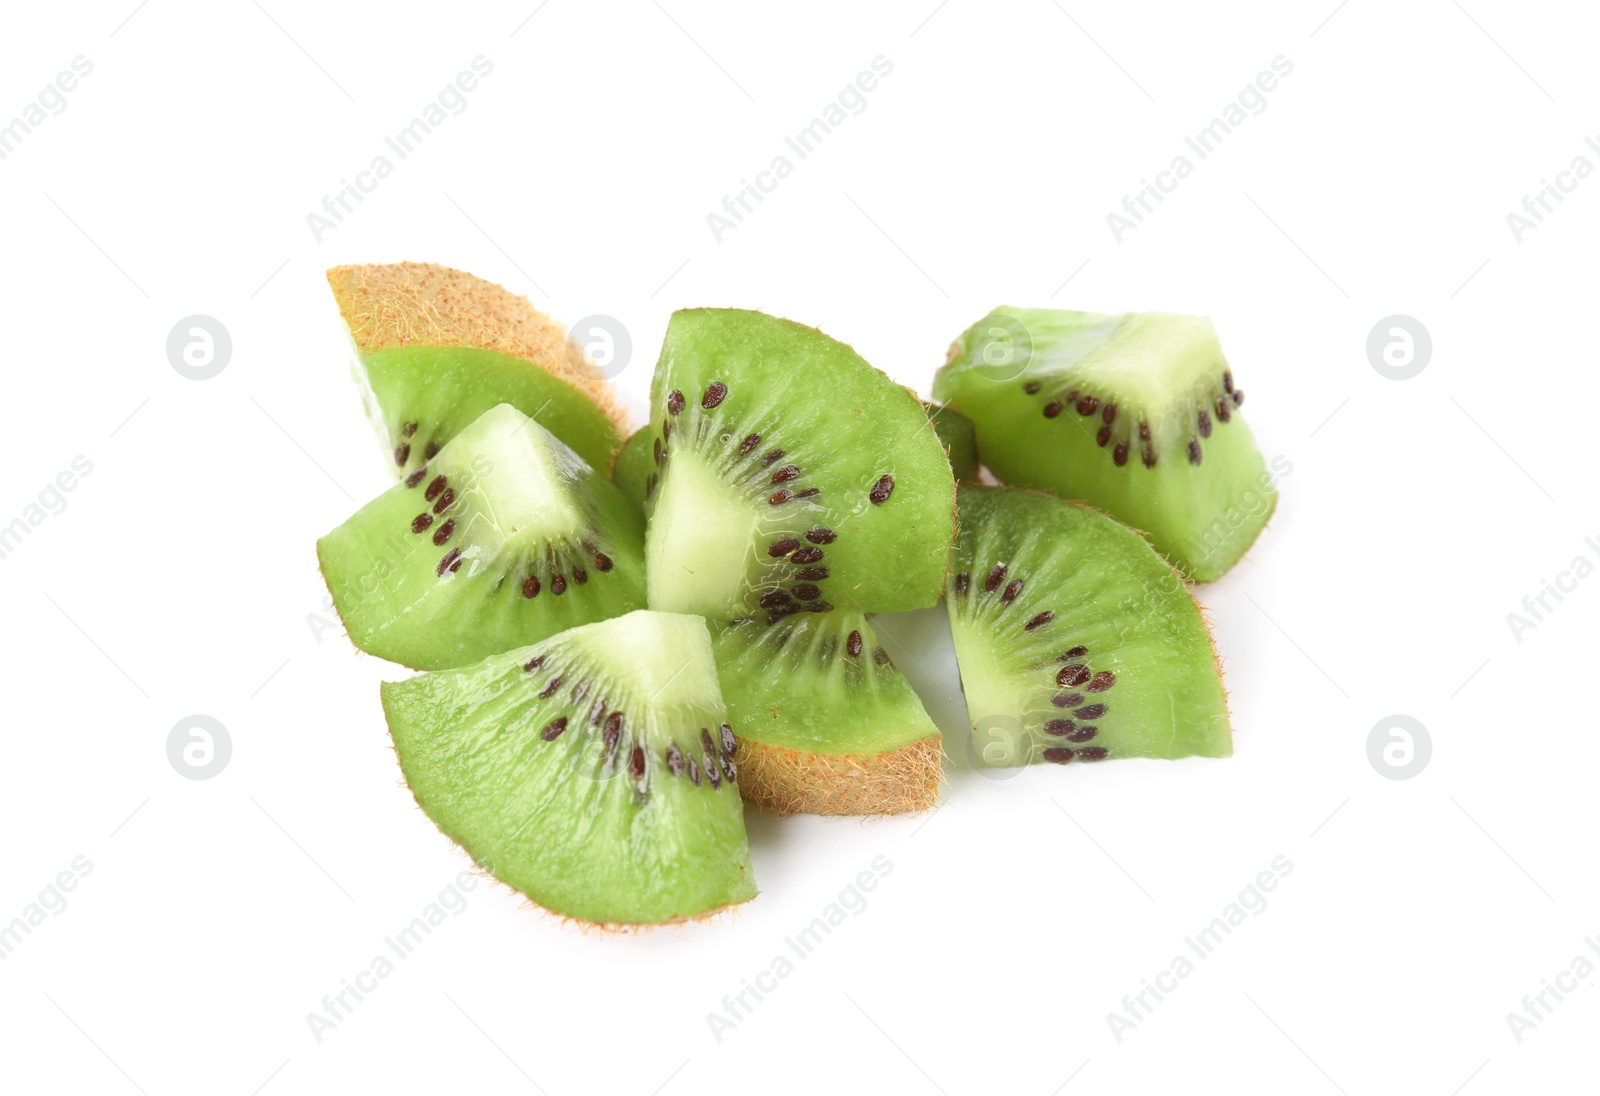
437	347
1137	414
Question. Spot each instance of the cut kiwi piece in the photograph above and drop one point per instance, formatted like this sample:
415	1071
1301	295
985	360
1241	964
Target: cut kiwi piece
594	772
827	724
439	347
504	538
1076	641
1136	414
959	438
636	465
783	458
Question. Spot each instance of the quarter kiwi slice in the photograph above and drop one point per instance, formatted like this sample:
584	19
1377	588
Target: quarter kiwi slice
505	537
594	772
783	458
1136	414
959	438
1076	641
636	465
439	347
827	723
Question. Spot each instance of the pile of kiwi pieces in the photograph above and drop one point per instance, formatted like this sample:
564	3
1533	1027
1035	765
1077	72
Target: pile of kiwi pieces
629	635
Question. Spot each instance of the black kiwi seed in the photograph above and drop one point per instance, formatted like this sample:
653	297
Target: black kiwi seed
1013	588
1144	431
579	691
1092	753
1103	436
597	712
602	562
530	588
807	592
1052	409
1109	414
730	771
552	730
674	759
881	657
694	772
780	548
674	402
706	744
402	454
713	773
853	644
657	447
1065	700
808	492
997	575
534	663
1224	412
1148	455
1060	755
786	473
409	430
820	607
431	451
666	430
1072	397
963	582
807	555
774	599
773	457
416	477
1090	711
715	391
1039	621
1060	727
1083	734
558	584
579	575
421	522
1088	405
613	729
881	490
451	562
1120	453
1227	380
636	763
781	495
749	443
550	688
729	743
434	488
1204	421
442	534
1076	674
1031	388
445	500
821	536
1076	652
1194	450
1238	398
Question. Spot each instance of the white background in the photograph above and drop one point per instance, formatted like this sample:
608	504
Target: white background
180	578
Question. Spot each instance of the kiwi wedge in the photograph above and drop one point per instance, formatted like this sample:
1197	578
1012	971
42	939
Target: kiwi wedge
636	466
505	537
594	772
784	459
438	347
1075	640
959	438
1136	414
827	723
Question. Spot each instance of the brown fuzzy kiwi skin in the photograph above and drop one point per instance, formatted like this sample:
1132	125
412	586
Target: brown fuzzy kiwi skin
786	781
425	304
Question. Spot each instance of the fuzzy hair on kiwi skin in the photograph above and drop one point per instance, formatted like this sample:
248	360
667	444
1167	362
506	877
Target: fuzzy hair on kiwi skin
425	304
787	782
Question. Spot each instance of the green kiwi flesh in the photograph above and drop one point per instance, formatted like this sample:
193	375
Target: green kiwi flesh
1075	640
504	538
827	723
635	465
959	438
782	459
594	771
1136	414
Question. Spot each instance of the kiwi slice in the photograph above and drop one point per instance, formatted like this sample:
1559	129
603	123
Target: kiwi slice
594	772
439	347
1136	414
785	460
827	723
505	537
959	438
636	465
1075	640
